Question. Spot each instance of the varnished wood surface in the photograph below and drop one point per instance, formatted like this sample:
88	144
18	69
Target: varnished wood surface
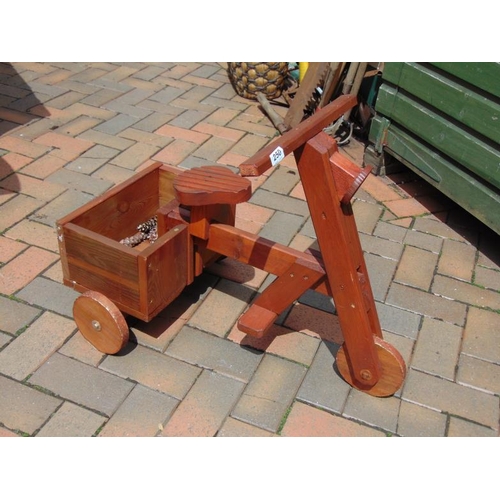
281	293
210	185
101	264
117	213
163	270
75	214
336	232
298	135
256	321
166	183
393	370
101	322
262	253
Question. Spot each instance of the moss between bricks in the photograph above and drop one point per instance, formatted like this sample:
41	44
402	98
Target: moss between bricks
284	419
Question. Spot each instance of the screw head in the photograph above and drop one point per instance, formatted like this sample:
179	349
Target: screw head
96	325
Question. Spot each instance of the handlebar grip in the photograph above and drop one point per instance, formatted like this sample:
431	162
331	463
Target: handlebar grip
277	150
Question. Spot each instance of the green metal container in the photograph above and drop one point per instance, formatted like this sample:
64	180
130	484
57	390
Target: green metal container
442	120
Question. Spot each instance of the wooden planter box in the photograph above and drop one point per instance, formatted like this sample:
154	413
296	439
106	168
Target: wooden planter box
141	281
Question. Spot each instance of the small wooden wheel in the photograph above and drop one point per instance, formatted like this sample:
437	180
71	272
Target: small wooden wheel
391	362
100	322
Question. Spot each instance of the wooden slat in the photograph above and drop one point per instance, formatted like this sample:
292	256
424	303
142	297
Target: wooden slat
474	154
117	216
472	194
75	215
163	269
484	75
100	252
126	298
168	173
448	95
102	265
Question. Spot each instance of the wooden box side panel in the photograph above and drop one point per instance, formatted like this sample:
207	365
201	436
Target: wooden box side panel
117	216
164	270
126	299
167	175
75	214
102	265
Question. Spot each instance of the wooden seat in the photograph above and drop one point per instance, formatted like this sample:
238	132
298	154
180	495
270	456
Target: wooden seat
211	185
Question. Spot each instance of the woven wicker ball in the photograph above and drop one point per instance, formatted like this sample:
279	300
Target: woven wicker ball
248	78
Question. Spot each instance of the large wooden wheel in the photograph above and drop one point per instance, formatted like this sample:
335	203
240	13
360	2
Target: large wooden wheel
391	362
100	322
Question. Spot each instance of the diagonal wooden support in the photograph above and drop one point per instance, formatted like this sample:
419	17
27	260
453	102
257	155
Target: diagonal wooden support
282	292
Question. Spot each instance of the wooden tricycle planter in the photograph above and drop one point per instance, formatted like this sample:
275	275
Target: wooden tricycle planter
194	212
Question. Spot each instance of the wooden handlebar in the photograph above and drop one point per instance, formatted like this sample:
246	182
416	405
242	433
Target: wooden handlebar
273	153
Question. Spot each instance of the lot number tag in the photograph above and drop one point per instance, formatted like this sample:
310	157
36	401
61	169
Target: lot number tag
277	155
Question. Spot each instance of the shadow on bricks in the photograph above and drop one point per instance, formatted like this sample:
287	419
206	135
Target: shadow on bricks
12	115
5	171
168	321
460	222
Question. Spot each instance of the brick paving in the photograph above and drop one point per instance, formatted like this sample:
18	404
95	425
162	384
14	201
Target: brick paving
70	131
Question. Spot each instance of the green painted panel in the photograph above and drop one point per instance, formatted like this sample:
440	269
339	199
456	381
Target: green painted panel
459	102
484	75
465	148
392	72
472	194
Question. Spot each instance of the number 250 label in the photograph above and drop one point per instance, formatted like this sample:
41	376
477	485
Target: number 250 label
277	155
